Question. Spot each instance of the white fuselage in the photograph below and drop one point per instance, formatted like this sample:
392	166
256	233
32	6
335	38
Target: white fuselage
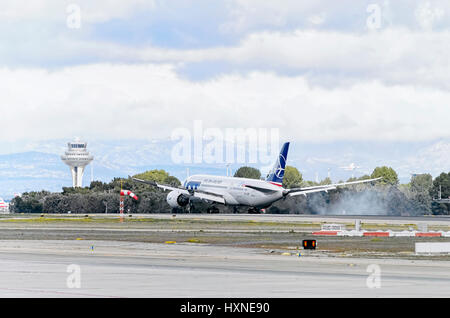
237	191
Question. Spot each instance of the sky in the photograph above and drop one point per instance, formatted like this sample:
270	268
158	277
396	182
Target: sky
319	71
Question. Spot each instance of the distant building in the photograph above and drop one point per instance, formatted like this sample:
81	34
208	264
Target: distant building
4	206
77	158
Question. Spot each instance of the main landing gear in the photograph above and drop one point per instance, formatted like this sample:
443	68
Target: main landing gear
212	210
254	210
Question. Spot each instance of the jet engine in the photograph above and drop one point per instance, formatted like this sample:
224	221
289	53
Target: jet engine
176	199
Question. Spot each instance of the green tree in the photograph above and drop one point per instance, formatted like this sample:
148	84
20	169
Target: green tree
172	181
292	177
325	181
248	172
98	186
388	174
160	176
420	188
441	183
29	202
72	190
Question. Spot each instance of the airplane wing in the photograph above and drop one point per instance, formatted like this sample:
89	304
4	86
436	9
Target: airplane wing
260	189
326	188
204	195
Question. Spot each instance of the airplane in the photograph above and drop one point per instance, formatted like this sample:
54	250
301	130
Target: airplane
255	194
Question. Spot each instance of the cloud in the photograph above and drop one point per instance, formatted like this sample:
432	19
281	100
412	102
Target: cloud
394	56
150	101
238	17
303	67
247	15
312	40
427	15
91	11
327	58
317	19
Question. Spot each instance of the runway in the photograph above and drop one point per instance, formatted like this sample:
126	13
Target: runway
129	269
376	219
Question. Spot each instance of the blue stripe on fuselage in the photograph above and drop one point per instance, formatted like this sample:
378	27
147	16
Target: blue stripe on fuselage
192	185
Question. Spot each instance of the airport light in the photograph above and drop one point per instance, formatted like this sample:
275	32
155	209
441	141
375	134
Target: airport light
309	244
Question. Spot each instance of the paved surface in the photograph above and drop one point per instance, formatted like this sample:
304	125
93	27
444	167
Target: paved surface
127	269
268	217
432	220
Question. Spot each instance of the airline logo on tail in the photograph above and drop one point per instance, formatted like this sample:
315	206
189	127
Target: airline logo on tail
277	173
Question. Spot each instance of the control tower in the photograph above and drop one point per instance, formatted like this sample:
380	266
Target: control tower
77	158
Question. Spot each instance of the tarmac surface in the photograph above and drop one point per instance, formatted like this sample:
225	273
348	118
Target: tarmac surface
244	256
432	219
48	268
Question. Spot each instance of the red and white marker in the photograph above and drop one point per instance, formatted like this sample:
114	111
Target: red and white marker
128	192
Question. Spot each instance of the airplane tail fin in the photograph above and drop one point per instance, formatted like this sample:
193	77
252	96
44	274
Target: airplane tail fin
277	173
